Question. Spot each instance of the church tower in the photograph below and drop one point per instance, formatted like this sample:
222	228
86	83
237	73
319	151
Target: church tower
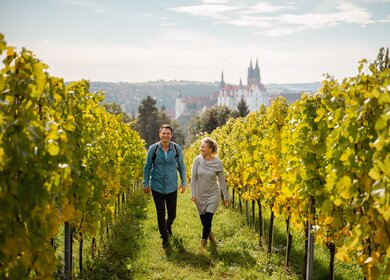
250	74
254	74
257	77
179	105
222	83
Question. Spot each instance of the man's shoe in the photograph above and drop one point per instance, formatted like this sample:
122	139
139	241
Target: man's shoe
165	243
203	243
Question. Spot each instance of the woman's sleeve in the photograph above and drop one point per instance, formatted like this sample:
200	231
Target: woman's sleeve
222	183
194	177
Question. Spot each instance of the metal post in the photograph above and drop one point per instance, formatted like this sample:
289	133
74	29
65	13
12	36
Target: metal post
68	252
246	207
310	249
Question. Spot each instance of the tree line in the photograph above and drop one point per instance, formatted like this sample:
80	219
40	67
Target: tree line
150	118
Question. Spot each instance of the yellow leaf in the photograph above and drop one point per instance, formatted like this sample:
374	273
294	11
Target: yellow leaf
68	212
287	192
53	148
10	51
329	220
386	214
374	174
342	254
345	155
337	202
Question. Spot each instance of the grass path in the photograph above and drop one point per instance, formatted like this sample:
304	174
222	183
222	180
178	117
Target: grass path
135	252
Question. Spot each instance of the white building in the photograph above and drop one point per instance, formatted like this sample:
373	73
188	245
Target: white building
179	105
254	93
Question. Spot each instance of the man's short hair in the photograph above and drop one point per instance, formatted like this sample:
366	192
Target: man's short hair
167	126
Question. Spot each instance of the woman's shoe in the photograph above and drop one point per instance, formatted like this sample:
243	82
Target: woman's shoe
203	243
212	237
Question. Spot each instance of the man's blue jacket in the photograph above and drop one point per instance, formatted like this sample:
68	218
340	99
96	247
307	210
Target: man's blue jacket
163	171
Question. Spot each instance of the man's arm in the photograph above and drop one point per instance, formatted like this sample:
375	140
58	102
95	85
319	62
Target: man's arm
182	169
147	170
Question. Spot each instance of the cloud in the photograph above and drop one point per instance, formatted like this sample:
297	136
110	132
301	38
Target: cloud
208	10
101	11
190	55
386	20
214	1
374	1
168	24
263	7
90	4
279	24
347	13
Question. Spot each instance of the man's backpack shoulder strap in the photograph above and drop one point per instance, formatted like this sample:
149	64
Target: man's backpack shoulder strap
155	152
175	149
158	145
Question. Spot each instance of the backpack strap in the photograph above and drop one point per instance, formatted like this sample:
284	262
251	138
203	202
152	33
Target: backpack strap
158	145
175	149
155	152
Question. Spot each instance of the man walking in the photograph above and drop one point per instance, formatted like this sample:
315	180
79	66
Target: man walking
163	161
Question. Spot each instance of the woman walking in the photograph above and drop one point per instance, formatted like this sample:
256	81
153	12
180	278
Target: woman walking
207	171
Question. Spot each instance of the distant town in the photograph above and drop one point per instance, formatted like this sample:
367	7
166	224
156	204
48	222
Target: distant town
183	99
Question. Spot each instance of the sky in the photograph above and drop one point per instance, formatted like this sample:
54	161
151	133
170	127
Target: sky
195	40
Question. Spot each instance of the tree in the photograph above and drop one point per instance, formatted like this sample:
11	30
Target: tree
208	120
150	119
116	109
146	123
382	60
242	108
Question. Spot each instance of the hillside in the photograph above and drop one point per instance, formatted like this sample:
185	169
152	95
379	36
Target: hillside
129	95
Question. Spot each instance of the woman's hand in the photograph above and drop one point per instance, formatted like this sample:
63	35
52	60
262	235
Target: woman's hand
194	199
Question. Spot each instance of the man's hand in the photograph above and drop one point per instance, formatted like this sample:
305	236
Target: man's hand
194	199
226	203
182	189
146	190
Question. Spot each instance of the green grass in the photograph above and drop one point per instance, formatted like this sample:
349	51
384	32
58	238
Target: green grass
134	251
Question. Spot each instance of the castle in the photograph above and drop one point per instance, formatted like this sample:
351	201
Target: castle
254	94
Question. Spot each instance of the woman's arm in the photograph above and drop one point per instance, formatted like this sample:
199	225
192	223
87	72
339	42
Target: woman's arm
194	179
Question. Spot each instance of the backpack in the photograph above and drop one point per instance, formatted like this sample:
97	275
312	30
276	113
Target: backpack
174	148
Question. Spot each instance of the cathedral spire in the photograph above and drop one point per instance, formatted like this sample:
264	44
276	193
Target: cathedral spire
256	74
222	83
250	74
